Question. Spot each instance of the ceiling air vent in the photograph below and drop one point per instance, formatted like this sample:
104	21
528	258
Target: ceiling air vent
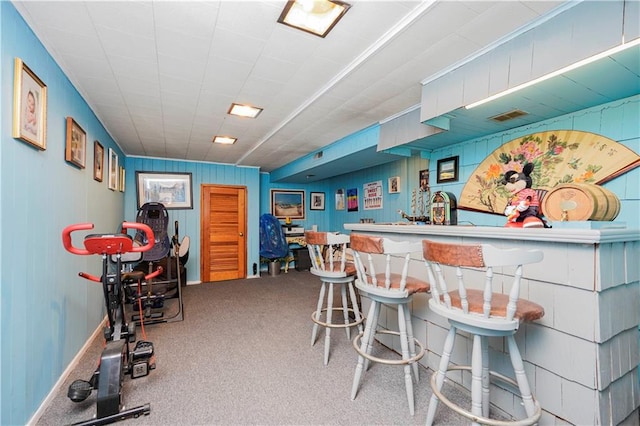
509	115
317	155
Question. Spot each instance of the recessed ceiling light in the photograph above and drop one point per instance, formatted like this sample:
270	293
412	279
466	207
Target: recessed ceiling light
244	110
225	140
317	17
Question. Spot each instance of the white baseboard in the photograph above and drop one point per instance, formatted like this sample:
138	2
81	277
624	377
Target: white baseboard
65	374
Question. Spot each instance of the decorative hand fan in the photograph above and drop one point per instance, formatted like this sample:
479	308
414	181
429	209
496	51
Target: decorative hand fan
559	156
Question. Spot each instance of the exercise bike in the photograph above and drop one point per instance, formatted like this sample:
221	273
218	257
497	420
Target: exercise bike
117	358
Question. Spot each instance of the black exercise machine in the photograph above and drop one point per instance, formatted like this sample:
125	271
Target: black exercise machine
117	358
152	294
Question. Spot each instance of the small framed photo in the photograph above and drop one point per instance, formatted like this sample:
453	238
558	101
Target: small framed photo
448	170
76	146
287	204
112	182
340	199
121	179
394	185
173	190
423	178
317	201
98	161
29	106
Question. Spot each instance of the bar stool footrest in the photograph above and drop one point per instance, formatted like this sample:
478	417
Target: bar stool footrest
416	358
353	323
479	419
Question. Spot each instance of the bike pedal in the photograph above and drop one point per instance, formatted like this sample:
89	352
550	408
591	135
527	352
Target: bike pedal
79	390
143	349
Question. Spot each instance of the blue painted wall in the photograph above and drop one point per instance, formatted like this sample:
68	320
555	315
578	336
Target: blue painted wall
189	220
616	120
47	313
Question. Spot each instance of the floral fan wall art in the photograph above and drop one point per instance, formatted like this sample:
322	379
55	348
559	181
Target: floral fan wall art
560	156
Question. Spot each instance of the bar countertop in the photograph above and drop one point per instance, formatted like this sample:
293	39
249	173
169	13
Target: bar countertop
565	234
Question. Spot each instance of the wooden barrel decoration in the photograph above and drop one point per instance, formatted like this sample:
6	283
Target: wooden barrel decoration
580	201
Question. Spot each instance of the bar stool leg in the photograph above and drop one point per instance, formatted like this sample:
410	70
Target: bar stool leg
327	331
412	344
521	378
372	335
485	377
356	308
345	309
440	374
404	345
369	331
476	376
318	314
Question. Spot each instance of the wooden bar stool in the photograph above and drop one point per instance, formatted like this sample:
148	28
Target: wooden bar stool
390	286
328	255
482	313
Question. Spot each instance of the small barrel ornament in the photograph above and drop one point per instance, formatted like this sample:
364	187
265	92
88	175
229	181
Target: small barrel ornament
580	201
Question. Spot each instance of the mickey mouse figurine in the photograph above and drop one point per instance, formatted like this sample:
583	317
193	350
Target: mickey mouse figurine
524	205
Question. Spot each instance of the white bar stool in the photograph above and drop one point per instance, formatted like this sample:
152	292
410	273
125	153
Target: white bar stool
482	313
391	286
328	254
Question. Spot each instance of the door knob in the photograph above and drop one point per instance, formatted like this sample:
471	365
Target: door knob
241	234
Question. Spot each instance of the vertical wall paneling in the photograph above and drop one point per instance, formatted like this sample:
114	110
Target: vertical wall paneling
47	311
189	219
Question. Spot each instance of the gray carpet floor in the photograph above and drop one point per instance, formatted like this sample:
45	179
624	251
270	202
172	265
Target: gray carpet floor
243	356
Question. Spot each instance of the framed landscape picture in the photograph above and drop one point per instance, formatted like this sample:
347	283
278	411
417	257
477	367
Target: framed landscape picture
173	190
447	170
287	204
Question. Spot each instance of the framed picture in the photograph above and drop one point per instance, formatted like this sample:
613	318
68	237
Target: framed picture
423	178
29	106
76	146
340	201
121	179
317	201
286	203
98	161
112	182
448	170
173	190
394	185
352	199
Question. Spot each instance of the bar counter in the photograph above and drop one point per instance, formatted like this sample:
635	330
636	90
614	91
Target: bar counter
582	357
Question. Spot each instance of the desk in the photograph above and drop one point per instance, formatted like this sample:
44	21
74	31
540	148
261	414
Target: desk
582	357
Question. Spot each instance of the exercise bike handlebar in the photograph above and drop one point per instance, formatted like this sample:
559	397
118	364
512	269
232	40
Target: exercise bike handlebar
90	277
68	243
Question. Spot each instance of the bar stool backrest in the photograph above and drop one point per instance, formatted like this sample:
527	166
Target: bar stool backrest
397	257
328	253
477	262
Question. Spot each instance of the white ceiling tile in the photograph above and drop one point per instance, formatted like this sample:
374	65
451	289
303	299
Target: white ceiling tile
161	75
198	19
184	69
133	17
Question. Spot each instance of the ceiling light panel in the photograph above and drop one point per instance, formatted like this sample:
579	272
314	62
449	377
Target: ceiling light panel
317	17
224	140
244	110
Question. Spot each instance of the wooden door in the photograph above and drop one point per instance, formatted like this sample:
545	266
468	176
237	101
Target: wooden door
223	228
